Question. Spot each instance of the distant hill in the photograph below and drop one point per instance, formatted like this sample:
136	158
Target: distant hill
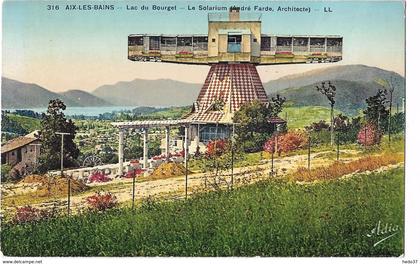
15	94
350	97
84	98
160	93
355	73
354	84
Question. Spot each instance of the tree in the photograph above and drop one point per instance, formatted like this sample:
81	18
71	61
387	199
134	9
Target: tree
390	83
253	128
55	121
376	112
276	105
329	92
11	126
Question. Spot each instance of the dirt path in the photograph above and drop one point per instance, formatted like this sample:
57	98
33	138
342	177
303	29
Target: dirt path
174	188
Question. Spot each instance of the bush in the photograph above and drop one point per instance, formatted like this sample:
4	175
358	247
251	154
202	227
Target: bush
15	175
132	173
99	176
217	147
369	135
318	126
397	123
27	214
287	142
101	201
5	170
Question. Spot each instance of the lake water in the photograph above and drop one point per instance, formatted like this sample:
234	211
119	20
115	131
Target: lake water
86	111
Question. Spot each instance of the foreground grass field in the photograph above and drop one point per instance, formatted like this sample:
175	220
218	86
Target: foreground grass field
272	218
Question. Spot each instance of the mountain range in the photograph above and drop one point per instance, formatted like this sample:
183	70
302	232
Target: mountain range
354	84
20	95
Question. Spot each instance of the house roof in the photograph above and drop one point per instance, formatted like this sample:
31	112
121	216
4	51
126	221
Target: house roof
17	143
276	120
227	88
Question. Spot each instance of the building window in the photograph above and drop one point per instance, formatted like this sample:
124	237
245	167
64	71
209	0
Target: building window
154	43
213	40
234	43
255	40
299	44
184	41
265	43
211	132
135	41
200	43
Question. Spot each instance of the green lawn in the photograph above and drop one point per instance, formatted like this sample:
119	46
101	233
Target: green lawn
270	218
299	117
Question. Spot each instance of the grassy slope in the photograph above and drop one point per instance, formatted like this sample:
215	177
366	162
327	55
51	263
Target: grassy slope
268	219
299	117
28	123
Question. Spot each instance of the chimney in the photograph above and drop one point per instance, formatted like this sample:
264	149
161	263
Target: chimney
234	13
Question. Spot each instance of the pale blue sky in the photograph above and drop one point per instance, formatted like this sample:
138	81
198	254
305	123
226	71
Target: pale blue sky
63	50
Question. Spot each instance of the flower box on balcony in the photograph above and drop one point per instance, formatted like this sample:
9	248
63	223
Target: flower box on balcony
318	55
284	54
152	53
184	54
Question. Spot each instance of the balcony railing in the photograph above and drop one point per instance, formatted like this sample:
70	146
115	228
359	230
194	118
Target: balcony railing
317	49
334	49
284	48
300	48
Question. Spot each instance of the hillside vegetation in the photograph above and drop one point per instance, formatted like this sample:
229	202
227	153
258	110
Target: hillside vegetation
350	96
28	123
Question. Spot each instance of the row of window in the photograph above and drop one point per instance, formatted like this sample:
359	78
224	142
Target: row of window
286	42
155	41
299	43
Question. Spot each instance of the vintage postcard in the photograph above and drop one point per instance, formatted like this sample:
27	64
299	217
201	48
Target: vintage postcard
203	128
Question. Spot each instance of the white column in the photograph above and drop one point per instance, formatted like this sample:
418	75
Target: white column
145	149
309	44
197	138
292	44
121	152
325	45
186	146
167	131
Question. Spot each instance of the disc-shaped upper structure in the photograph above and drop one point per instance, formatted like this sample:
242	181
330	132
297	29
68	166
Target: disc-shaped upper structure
236	38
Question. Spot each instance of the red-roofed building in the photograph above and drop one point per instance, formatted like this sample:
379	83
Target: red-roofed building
21	152
226	89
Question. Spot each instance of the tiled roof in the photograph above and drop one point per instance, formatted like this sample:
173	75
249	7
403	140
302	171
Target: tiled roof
233	85
16	143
